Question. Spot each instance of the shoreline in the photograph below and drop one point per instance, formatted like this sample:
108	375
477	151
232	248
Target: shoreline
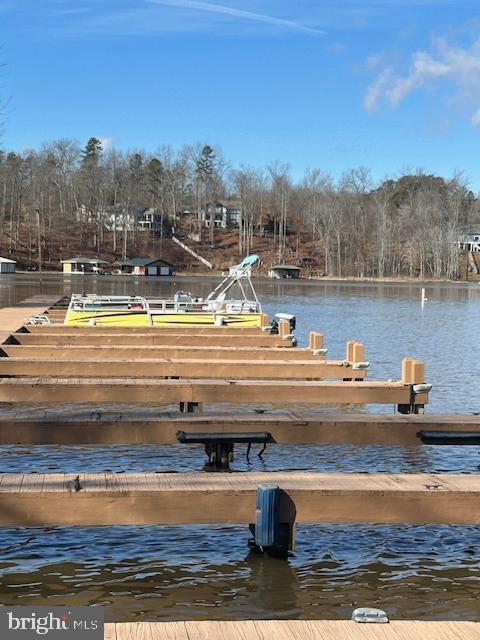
219	274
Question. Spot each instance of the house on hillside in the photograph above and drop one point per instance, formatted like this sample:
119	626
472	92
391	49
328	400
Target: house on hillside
224	215
150	220
470	240
116	217
145	267
7	265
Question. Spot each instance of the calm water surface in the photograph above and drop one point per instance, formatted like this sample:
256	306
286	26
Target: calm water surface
161	573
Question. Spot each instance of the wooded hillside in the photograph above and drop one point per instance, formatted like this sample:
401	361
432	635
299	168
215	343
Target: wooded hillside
54	203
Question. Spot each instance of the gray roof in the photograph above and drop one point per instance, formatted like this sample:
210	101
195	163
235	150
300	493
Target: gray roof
286	266
84	261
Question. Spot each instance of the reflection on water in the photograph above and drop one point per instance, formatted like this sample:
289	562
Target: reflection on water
206	572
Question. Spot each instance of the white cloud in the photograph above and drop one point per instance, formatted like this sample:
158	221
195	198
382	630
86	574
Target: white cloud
376	90
458	66
106	141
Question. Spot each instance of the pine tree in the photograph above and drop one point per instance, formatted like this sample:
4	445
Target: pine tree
205	171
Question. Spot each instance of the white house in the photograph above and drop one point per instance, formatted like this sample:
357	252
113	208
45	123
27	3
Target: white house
7	266
470	240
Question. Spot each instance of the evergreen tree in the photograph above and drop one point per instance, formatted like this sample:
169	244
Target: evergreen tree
205	171
92	152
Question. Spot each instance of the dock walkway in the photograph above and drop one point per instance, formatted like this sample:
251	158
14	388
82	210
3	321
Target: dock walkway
98	499
293	630
13	318
124	424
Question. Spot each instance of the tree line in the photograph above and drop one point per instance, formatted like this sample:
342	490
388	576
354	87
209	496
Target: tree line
347	226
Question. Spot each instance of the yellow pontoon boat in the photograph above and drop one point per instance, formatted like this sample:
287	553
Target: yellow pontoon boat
181	310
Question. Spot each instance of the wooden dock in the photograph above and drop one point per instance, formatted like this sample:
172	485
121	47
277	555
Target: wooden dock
155	391
95	367
229	498
190	366
58	365
30	426
13	318
293	630
191	338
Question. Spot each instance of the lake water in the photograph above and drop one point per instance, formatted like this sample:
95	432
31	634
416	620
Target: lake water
165	573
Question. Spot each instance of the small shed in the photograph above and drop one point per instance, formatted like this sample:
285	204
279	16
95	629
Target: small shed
146	267
82	265
284	271
7	265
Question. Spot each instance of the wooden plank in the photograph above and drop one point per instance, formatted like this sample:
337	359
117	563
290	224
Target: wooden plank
74	352
12	318
108	330
294	630
235	630
158	339
155	391
28	428
191	368
198	498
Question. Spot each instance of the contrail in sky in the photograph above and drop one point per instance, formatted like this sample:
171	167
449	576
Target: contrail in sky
210	7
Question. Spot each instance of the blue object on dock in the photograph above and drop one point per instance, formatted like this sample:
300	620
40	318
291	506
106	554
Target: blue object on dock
267	524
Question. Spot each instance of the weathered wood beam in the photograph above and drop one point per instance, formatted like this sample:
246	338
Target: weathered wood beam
199	498
97	427
115	352
191	368
159	339
155	391
109	330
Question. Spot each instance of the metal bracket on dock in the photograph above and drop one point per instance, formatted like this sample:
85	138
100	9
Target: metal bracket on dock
413	407
360	366
219	446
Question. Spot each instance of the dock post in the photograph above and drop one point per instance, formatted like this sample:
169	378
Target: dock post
315	344
413	373
271	536
264	320
349	351
350	355
284	329
358	356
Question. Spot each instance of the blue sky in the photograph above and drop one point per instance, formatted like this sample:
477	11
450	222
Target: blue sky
388	84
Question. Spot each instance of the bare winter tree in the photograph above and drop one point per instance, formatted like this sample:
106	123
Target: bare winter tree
62	196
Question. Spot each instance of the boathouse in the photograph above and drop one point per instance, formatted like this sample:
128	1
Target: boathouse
145	267
284	271
7	265
83	265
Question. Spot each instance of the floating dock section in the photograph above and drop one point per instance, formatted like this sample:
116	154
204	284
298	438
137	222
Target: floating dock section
54	379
